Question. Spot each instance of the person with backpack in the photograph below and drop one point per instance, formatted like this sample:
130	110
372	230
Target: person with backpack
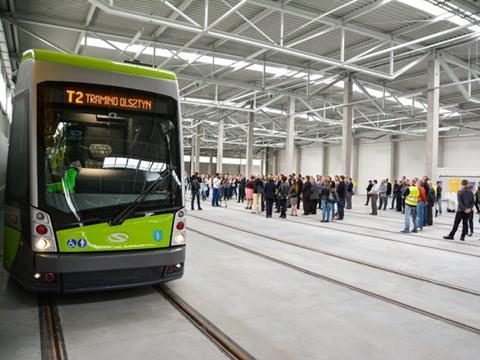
332	199
195	189
431	198
282	194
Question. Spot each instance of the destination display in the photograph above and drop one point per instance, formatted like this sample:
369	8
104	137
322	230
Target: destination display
110	100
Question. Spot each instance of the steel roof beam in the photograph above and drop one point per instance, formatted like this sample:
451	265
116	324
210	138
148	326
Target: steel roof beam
161	29
359	29
365	10
235	37
88	19
36	36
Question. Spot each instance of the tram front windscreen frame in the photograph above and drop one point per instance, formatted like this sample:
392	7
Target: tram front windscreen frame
100	147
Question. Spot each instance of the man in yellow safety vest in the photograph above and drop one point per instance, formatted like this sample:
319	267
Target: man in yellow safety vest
411	199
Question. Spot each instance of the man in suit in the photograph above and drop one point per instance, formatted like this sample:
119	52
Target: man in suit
464	208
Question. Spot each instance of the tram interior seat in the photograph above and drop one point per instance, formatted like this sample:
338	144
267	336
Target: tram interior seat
98	152
110	181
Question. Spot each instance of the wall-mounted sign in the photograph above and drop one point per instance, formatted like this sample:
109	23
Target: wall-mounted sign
455	185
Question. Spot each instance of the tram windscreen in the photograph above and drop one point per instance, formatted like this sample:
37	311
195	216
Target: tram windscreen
100	147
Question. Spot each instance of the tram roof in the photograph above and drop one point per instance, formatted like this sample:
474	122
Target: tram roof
97	64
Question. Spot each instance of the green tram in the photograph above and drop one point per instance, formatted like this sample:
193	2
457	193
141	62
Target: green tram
94	196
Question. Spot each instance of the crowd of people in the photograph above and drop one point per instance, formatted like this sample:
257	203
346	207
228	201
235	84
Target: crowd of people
419	200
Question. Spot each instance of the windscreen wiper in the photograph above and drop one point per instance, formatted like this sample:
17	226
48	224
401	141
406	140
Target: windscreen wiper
118	219
169	153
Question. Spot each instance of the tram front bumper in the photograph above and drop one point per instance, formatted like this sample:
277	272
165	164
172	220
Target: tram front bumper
101	271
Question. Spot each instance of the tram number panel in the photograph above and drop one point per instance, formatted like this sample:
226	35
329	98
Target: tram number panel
110	100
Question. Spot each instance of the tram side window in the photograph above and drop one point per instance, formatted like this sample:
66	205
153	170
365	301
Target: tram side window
17	168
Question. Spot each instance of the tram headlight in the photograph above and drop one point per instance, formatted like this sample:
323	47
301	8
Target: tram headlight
179	236
179	239
42	244
43	236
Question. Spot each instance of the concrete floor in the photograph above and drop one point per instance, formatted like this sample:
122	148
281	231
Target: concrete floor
277	312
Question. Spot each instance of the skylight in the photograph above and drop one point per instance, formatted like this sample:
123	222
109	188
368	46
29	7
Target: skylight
276	71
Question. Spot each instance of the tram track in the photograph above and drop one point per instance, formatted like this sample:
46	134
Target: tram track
381	237
226	345
444	319
397	220
349	259
51	333
53	343
397	232
417	235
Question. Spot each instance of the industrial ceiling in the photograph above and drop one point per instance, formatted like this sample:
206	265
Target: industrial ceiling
237	57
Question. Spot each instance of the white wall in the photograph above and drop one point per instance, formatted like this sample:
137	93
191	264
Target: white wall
461	153
282	165
410	158
231	169
334	160
373	163
458	156
311	162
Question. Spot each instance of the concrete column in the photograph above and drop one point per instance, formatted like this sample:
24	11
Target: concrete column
441	154
298	163
275	162
433	99
267	161
210	164
249	152
290	140
325	161
354	173
347	137
192	155
393	159
197	149
264	161
220	146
